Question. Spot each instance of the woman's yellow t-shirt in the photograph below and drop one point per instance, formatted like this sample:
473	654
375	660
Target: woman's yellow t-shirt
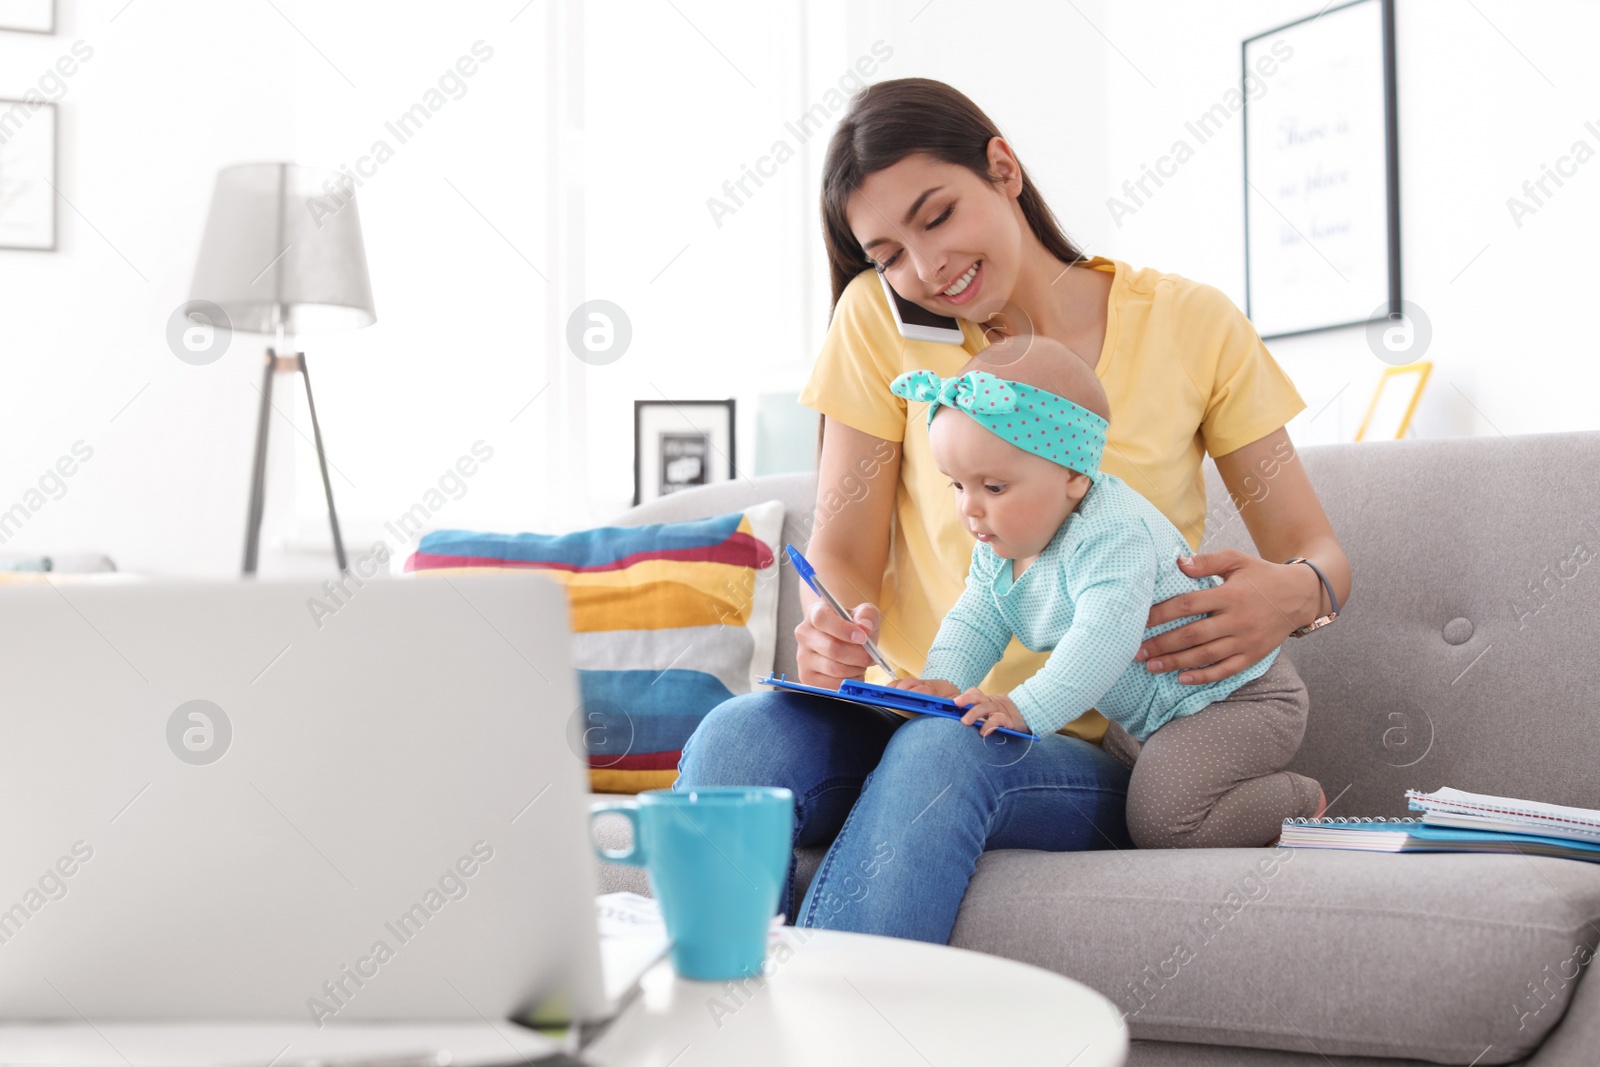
1185	374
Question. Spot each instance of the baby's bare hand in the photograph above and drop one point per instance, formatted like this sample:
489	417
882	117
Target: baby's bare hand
936	686
995	711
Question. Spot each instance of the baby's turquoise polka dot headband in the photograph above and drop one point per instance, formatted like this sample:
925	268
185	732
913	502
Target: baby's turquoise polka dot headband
1030	418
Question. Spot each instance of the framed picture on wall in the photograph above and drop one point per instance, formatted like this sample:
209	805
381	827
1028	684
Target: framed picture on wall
28	16
1394	401
27	176
679	444
1321	171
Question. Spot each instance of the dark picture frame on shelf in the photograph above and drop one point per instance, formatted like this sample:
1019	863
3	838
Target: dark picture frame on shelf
1322	171
28	158
28	16
679	444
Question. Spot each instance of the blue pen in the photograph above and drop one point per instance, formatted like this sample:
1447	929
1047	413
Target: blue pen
809	573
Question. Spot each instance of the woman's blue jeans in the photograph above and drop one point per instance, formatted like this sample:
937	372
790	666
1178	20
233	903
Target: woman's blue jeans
909	805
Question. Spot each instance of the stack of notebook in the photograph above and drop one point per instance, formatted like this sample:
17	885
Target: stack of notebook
1457	821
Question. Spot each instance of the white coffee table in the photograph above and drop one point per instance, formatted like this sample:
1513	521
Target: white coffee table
833	999
829	999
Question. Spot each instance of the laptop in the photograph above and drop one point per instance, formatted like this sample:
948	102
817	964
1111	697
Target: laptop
295	801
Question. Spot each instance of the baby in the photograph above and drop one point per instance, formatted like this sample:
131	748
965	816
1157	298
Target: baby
1070	560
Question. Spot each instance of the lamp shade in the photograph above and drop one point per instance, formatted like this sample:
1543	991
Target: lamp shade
283	245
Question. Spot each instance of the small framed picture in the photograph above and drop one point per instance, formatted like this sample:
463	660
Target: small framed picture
1394	401
27	176
679	444
28	16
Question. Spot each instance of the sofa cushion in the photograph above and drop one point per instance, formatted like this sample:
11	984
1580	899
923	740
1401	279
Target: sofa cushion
669	620
1432	957
799	495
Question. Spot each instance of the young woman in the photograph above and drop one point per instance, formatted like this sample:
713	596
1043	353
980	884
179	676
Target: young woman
918	184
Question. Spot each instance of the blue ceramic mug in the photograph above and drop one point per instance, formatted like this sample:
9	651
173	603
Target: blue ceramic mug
716	857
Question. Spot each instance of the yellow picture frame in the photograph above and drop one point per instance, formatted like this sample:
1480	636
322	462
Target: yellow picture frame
1390	400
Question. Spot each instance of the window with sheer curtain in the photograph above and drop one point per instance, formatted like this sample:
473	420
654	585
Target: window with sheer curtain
644	154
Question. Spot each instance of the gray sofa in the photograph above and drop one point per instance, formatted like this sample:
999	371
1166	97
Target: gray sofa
1460	660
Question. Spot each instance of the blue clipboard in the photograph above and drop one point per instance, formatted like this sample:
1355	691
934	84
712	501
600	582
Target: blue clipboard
888	697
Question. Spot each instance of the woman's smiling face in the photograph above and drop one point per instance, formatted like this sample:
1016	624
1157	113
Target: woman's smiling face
945	238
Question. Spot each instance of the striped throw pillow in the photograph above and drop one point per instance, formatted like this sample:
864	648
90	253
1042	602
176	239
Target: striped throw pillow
669	620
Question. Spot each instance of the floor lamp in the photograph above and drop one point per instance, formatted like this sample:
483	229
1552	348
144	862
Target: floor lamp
282	256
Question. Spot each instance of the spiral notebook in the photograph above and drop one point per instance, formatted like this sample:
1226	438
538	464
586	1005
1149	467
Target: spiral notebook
1413	835
1480	811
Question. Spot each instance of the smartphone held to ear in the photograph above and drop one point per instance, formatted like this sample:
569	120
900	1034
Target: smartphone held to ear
916	322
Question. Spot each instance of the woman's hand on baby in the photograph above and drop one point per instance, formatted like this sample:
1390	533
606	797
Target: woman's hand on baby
831	649
936	686
1244	620
996	711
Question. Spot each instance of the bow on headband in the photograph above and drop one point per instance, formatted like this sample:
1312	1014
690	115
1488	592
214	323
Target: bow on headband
977	391
1030	418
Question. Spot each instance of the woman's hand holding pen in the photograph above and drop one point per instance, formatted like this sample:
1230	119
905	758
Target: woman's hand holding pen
830	649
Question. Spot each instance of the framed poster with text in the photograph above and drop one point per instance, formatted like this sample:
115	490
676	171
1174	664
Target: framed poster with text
1321	173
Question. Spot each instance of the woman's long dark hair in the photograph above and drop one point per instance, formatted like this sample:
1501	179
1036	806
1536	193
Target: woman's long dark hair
886	123
891	120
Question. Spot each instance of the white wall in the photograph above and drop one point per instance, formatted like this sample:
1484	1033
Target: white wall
681	100
1038	69
457	242
176	90
162	102
604	191
743	307
1488	92
564	173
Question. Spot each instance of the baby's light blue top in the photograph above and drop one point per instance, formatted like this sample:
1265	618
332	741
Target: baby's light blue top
1085	600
